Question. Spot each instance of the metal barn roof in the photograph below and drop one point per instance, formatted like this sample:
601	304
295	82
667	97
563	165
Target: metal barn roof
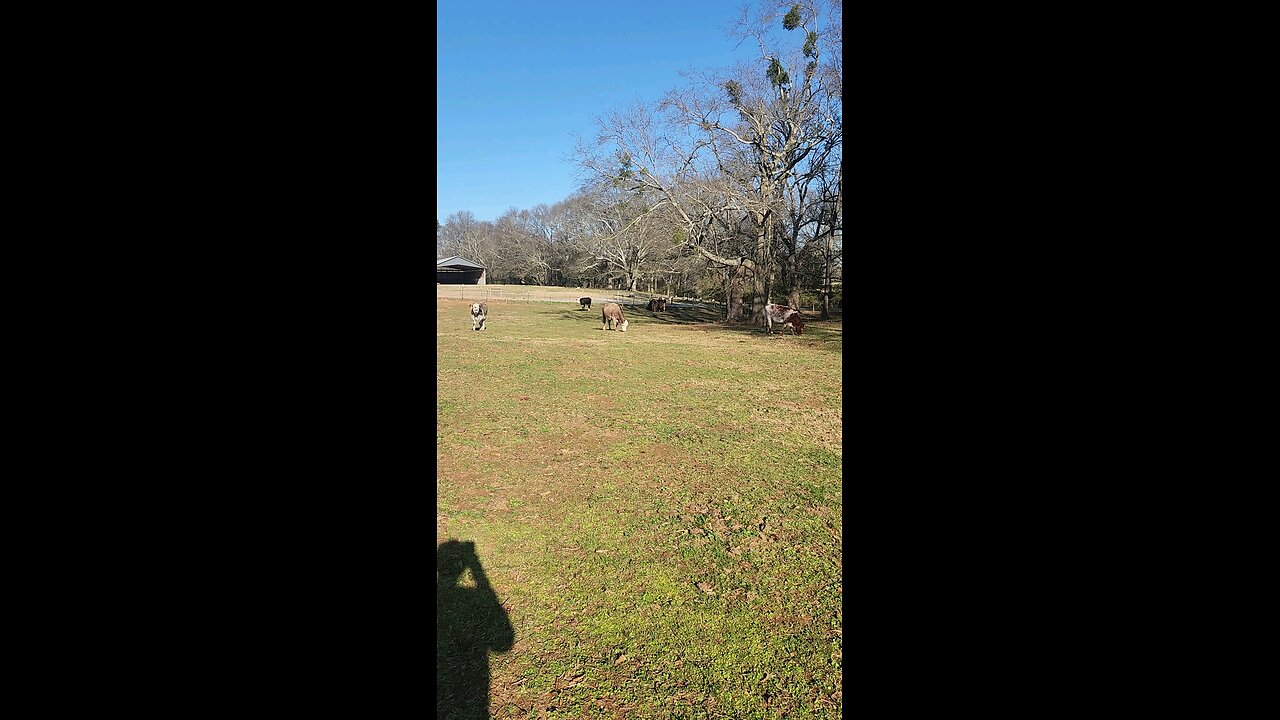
457	261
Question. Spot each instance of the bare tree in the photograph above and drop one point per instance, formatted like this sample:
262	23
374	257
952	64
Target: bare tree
808	220
834	250
473	239
525	244
734	155
788	124
612	230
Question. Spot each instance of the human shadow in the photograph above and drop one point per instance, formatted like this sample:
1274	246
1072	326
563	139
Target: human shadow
470	622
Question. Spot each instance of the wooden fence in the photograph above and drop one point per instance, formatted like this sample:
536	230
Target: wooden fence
535	293
532	293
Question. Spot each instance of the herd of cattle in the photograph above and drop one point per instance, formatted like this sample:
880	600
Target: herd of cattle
611	317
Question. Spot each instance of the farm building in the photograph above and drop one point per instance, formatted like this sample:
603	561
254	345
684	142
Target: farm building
459	271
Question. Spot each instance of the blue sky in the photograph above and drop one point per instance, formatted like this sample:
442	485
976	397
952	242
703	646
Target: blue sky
516	80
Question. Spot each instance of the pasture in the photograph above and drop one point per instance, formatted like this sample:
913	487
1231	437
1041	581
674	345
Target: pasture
658	514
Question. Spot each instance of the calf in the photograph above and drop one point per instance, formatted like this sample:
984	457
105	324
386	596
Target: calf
479	312
611	318
585	303
789	316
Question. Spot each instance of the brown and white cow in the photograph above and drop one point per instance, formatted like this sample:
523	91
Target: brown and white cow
662	304
611	318
479	313
585	303
774	313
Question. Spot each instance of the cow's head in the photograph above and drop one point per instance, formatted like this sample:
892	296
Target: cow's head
475	308
797	324
623	326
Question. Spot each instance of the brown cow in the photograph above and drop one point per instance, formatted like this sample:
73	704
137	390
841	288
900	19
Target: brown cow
774	313
662	304
611	318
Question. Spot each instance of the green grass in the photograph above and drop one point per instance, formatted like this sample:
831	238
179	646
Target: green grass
602	476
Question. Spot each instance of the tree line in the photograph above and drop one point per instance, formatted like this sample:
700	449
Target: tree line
729	188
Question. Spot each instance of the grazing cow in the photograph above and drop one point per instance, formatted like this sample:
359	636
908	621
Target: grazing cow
789	316
479	312
611	318
585	303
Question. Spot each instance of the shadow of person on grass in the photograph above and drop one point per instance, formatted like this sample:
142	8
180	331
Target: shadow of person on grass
470	622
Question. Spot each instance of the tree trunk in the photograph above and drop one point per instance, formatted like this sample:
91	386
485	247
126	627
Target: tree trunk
759	285
734	311
727	282
735	281
793	282
826	278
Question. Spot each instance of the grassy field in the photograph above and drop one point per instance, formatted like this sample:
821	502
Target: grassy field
636	525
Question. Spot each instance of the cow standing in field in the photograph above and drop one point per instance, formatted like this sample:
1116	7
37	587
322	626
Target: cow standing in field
585	303
611	318
479	312
774	313
653	305
662	304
